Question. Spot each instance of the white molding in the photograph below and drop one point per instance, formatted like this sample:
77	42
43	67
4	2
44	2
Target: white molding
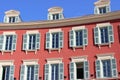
105	56
55	30
32	32
78	27
79	59
6	62
30	62
103	24
54	60
9	33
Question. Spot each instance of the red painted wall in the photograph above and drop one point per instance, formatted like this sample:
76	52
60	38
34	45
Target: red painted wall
66	52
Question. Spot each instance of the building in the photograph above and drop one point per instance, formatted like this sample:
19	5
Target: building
82	48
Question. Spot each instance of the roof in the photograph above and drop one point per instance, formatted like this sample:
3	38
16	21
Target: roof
102	2
63	22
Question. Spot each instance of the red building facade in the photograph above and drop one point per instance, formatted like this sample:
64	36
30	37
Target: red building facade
66	49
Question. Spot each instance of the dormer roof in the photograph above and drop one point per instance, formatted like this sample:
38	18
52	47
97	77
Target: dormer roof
12	13
102	2
55	10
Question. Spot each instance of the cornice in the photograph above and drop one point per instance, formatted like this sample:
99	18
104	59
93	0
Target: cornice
63	22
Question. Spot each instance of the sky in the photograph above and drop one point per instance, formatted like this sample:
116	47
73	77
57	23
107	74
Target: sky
36	10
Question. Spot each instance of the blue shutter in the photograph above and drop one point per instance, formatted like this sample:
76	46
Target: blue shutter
114	68
36	72
85	37
11	72
1	42
98	70
110	34
14	41
47	40
61	71
96	35
22	72
86	70
60	39
47	66
37	41
71	38
25	42
72	71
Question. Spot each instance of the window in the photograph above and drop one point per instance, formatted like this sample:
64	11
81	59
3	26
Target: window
54	40
79	70
31	41
55	16
78	38
11	19
103	35
106	66
7	72
102	10
54	71
29	70
8	42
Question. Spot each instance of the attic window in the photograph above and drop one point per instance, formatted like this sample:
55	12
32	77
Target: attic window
11	19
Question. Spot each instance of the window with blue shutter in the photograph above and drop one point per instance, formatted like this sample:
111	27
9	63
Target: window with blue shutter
1	42
14	42
61	39
110	34
48	40
47	72
22	72
114	68
71	38
36	72
11	72
61	71
98	69
86	70
85	37
96	35
25	41
38	41
72	71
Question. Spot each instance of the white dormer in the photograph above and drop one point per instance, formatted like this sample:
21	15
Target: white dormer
102	6
55	13
12	16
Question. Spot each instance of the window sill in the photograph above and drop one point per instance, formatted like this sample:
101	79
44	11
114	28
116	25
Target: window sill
35	51
104	44
75	47
54	49
7	51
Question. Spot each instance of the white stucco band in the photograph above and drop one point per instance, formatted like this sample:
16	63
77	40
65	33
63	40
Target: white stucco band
54	60
79	59
30	62
6	62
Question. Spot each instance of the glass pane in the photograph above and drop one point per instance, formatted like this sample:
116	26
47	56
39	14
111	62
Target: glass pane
8	45
79	38
54	72
30	72
55	40
32	41
5	74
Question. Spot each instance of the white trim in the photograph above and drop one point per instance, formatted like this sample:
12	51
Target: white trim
103	24
78	27
32	32
9	33
54	60
6	62
79	59
105	56
55	30
30	62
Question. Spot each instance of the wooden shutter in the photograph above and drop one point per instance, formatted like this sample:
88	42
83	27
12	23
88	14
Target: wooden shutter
47	40
11	72
95	10
110	34
5	19
1	42
98	70
22	72
96	35
85	37
107	8
71	38
61	71
37	41
1	70
72	70
36	72
47	67
14	41
60	39
25	41
86	70
114	68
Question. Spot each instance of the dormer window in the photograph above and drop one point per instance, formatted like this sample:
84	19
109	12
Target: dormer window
55	13
11	19
102	10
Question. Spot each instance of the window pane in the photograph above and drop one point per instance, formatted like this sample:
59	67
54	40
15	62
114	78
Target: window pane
79	38
54	72
55	40
32	41
30	72
8	45
6	70
55	16
102	10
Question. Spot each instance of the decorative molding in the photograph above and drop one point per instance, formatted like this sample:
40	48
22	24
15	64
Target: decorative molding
9	33
78	27
6	62
103	24
79	59
30	62
55	30
54	60
105	56
32	32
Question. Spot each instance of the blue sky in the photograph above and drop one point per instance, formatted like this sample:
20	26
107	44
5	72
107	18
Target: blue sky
34	10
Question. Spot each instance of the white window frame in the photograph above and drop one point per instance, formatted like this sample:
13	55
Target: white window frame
52	31
105	56
102	25
78	59
77	28
31	32
5	63
4	41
